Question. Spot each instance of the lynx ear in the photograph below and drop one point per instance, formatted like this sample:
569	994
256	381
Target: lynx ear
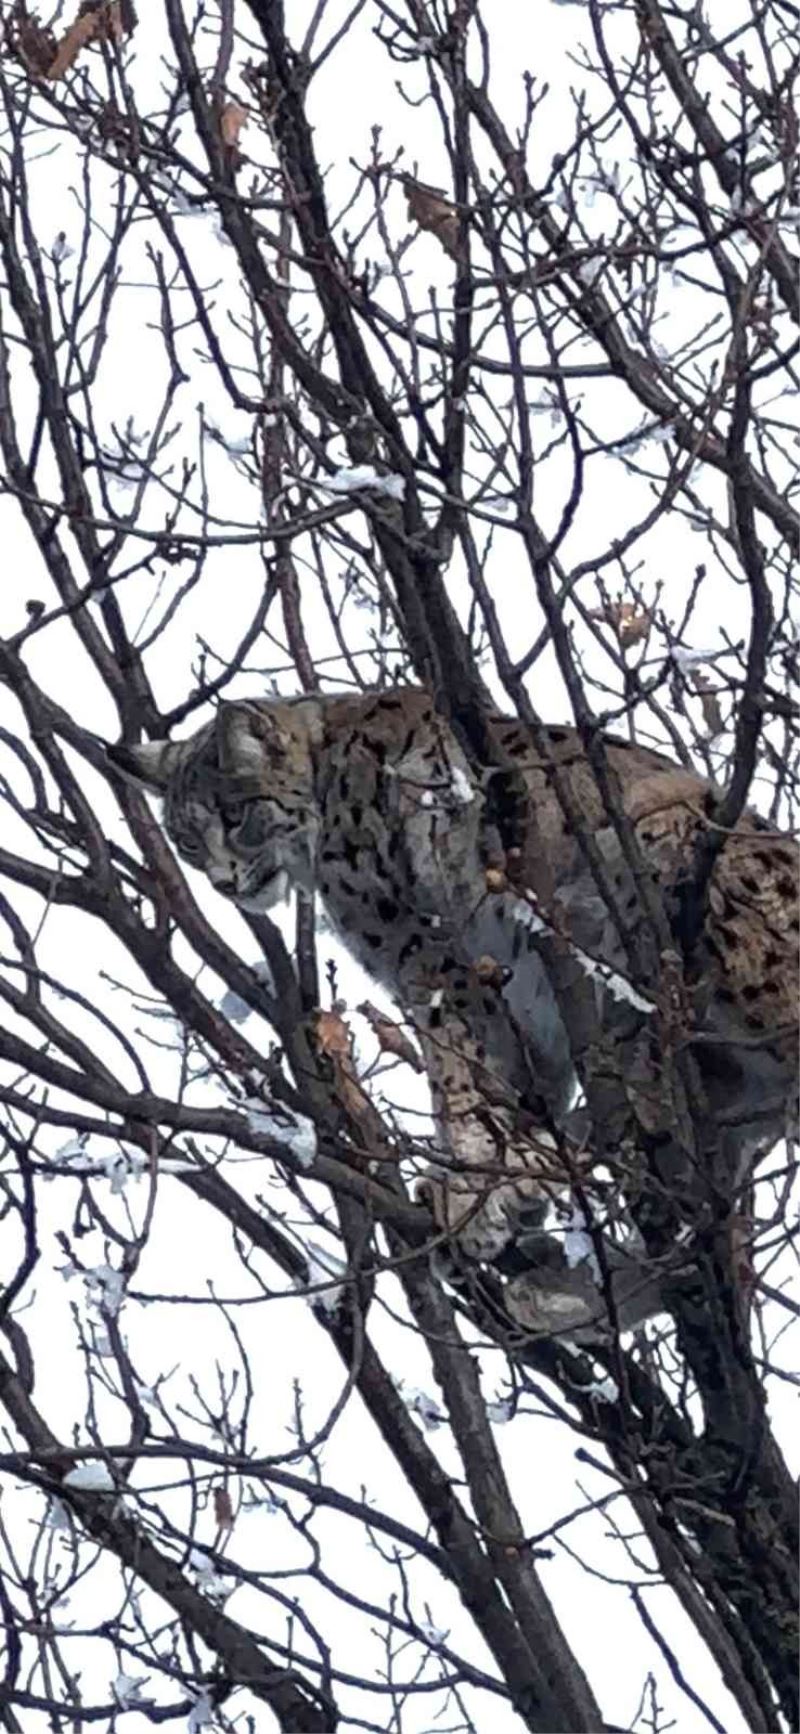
148	765
245	734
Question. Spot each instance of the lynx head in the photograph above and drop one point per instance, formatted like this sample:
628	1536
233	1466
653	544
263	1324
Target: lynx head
238	798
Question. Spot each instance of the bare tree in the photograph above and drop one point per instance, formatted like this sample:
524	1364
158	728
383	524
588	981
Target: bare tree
505	410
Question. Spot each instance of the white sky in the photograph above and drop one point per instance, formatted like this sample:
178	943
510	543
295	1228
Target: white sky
186	1246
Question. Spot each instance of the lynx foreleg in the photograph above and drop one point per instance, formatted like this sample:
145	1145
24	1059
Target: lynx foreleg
496	1159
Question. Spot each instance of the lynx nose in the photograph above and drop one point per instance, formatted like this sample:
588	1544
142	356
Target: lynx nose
223	882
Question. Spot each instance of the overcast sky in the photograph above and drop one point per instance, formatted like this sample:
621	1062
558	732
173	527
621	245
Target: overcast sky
189	1339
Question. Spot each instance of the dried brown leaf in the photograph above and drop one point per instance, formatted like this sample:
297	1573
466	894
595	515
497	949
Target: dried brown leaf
391	1038
116	20
332	1033
113	126
635	627
223	1509
334	1040
428	207
33	44
233	116
107	22
709	704
82	31
630	622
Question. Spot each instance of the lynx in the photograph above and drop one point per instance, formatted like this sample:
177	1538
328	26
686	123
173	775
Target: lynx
369	800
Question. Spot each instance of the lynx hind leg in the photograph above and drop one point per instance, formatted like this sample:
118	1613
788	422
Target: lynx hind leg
493	1170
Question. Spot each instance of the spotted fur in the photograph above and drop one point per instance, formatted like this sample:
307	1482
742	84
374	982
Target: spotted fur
370	800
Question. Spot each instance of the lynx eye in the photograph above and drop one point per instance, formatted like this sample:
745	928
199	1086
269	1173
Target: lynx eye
249	832
191	848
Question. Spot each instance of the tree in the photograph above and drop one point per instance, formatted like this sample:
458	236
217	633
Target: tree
467	403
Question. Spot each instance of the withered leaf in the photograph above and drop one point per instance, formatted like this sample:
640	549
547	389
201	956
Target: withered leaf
630	622
332	1033
634	626
428	207
108	21
121	14
82	31
709	704
223	1509
112	125
333	1039
33	45
233	116
391	1038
